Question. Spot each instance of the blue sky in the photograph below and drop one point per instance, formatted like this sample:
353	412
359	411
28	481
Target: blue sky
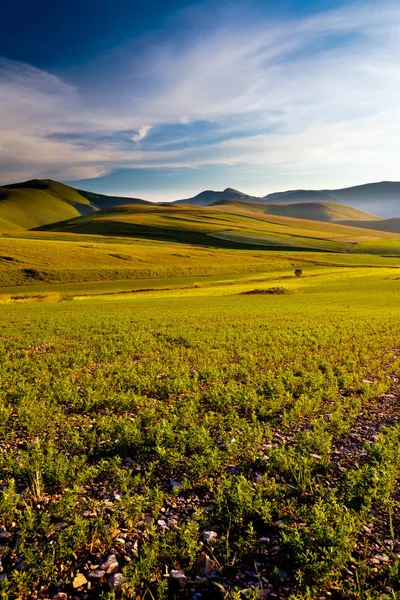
162	100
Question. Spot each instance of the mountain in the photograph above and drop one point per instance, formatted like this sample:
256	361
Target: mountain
41	201
381	198
210	197
293	196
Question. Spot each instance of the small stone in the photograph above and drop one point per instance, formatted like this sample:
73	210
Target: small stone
178	577
60	596
174	484
97	574
162	524
204	565
110	566
3	576
128	461
79	580
117	496
210	537
120	540
116	581
149	520
5	535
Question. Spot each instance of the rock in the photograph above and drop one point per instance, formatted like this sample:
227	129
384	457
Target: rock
175	484
128	461
204	565
79	580
60	596
97	574
110	566
149	520
162	524
116	581
178	577
210	537
3	576
5	535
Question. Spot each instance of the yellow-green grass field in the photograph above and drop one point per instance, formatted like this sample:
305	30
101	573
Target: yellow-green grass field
159	382
134	422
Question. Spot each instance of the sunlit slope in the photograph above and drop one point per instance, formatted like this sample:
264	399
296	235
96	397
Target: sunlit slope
41	201
231	226
321	211
329	212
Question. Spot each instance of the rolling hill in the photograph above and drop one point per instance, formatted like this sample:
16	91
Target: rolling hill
233	225
41	201
329	212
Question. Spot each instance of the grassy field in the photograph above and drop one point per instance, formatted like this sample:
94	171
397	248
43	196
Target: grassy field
172	437
183	417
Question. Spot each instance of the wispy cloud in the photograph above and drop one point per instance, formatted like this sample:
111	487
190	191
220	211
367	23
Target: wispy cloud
317	94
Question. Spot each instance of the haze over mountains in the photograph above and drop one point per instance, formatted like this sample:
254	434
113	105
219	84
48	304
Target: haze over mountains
381	198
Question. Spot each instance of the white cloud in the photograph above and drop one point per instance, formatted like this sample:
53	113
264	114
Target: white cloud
317	95
141	133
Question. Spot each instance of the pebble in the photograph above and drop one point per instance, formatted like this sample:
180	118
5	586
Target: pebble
79	580
162	524
110	566
5	535
116	581
97	574
60	596
210	536
174	484
179	577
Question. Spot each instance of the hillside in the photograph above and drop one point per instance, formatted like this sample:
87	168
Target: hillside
329	212
389	225
228	225
38	202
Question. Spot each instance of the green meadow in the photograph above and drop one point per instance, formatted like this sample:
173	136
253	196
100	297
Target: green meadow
183	417
138	419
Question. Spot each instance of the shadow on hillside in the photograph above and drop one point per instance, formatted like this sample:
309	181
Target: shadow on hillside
146	232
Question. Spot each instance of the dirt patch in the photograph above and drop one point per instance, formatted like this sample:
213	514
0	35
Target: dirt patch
272	291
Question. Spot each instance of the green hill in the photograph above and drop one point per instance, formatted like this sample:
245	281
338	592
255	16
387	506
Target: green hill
41	201
328	212
320	211
227	225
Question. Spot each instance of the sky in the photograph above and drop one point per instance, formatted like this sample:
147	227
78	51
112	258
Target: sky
161	100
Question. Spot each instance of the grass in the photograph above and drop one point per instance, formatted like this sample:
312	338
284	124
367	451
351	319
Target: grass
252	403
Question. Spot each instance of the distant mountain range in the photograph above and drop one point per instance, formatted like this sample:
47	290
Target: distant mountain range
382	198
